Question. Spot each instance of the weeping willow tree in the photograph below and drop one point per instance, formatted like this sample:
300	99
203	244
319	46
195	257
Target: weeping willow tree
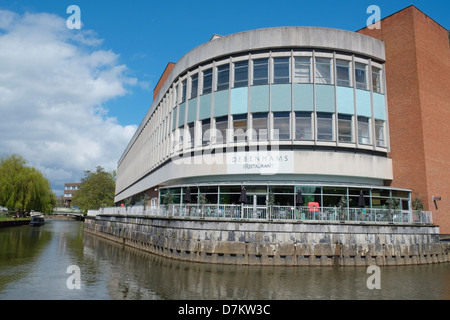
24	188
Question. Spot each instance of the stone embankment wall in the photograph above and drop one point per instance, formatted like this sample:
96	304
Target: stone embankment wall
275	243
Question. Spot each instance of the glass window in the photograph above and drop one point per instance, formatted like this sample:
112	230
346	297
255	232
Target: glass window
343	73
281	126
360	76
345	128
223	77
194	85
260	126
191	137
303	126
302	70
363	130
207	81
240	127
206	132
323	70
379	131
241	74
281	70
260	71
183	90
324	126
221	130
376	79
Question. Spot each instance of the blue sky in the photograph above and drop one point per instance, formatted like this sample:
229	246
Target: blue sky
123	47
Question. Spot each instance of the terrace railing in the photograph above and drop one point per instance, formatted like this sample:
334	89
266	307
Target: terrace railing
274	213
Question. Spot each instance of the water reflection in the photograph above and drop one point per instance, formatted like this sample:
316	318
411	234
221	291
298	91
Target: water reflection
34	261
134	274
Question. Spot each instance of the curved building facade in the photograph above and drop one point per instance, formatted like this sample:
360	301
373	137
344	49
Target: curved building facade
276	110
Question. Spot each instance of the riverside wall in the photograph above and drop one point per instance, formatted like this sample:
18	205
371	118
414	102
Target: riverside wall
273	242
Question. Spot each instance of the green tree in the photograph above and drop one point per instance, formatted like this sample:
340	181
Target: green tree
97	190
24	188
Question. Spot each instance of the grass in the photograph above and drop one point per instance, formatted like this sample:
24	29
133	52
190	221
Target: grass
4	217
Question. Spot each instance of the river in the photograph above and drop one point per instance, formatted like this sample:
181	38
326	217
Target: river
34	264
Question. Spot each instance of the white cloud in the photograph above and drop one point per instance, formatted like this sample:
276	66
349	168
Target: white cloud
54	84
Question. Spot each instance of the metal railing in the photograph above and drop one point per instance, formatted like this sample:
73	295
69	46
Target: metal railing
274	213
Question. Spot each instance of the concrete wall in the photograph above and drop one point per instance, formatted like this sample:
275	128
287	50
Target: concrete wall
275	243
322	165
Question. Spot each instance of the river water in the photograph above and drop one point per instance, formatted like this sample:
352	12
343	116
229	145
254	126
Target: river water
34	264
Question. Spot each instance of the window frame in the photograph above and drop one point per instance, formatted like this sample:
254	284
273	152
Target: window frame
321	119
319	61
237	66
282	116
305	117
358	69
281	64
366	121
223	77
345	120
260	65
207	74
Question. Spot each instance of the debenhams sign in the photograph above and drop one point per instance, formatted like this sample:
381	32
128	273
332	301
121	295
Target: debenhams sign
262	162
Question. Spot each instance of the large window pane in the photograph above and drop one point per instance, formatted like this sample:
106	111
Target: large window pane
323	70
207	81
194	85
240	128
183	90
241	74
206	132
303	126
221	130
379	131
223	77
281	70
363	130
361	76
260	126
325	126
376	79
260	71
191	137
281	127
345	128
343	73
302	70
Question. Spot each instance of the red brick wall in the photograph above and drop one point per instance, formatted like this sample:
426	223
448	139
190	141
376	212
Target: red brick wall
418	91
163	79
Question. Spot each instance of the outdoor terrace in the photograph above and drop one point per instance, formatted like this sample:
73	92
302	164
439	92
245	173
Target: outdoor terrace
274	213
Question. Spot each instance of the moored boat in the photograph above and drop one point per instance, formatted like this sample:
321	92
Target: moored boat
37	221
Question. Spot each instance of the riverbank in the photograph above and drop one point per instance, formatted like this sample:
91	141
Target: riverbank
5	223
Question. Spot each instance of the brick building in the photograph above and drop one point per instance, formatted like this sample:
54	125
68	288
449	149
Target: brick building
418	93
69	191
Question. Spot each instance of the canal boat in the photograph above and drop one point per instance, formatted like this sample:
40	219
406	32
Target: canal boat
37	221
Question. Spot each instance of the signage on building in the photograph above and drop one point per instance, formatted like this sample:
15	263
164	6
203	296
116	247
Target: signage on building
260	162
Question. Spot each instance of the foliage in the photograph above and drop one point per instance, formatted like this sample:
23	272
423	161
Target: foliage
167	198
24	188
97	190
202	199
417	204
393	203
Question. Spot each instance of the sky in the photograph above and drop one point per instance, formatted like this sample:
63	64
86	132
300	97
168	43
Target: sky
71	99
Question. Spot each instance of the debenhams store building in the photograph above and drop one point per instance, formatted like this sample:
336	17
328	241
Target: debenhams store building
276	110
